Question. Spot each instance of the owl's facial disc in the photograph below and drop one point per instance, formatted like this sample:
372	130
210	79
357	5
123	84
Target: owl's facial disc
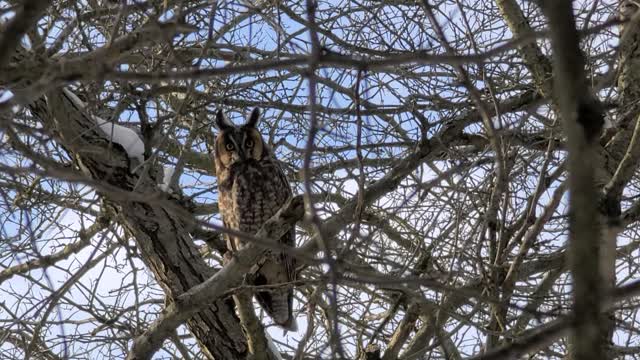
240	145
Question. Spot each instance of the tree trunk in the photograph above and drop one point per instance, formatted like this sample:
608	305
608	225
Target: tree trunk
158	228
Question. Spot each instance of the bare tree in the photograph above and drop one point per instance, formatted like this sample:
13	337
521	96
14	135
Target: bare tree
466	174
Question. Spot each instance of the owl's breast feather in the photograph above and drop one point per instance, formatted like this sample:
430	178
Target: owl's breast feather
228	178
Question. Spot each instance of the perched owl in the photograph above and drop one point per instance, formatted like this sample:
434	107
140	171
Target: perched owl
252	187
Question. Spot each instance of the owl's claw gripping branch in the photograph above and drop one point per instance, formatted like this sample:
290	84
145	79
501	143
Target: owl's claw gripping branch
227	257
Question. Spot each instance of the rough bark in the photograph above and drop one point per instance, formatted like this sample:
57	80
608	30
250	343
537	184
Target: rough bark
582	117
537	63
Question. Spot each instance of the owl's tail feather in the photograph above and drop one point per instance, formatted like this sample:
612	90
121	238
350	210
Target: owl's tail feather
289	324
282	310
276	301
278	304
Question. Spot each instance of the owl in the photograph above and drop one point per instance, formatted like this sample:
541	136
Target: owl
251	188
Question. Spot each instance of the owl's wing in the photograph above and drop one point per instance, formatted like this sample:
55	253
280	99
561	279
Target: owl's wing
290	237
279	268
289	261
283	180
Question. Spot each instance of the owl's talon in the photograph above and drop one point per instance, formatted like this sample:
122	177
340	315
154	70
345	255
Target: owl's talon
227	257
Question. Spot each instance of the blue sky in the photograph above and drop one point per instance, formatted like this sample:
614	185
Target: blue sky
338	131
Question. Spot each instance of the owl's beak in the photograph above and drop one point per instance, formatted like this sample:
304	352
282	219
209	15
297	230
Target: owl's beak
240	155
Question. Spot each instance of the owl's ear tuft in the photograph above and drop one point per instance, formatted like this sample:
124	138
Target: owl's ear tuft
253	119
222	123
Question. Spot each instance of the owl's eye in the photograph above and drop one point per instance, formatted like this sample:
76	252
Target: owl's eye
229	147
248	143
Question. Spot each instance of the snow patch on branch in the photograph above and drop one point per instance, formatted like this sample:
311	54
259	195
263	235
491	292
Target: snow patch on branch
608	122
166	179
125	137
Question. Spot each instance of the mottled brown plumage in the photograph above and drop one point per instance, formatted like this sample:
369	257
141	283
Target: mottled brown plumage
252	187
